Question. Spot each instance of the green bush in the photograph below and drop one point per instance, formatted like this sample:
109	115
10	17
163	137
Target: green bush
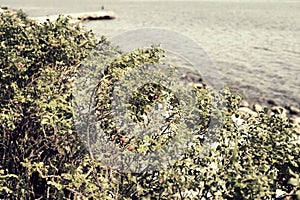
43	157
255	156
37	134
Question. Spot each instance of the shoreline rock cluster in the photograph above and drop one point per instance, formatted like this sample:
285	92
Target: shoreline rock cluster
290	113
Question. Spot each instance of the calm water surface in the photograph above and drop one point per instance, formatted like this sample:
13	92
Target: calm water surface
254	44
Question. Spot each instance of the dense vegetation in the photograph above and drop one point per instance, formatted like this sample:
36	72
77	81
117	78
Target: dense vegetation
43	157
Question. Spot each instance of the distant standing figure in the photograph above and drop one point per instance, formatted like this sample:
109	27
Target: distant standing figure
102	7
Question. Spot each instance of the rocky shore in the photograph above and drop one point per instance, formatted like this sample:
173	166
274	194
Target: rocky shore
290	113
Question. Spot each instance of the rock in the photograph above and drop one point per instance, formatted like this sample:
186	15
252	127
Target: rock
295	120
297	129
190	75
272	102
198	85
244	103
100	15
257	107
294	110
4	9
282	112
247	111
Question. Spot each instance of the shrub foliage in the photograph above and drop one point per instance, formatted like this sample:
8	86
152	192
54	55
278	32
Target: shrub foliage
42	156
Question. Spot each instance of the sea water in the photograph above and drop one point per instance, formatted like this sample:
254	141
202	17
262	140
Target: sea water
254	44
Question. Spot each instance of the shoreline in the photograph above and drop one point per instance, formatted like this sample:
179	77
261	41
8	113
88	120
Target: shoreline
78	17
288	112
255	49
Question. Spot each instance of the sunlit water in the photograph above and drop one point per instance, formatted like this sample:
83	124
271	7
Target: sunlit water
254	44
